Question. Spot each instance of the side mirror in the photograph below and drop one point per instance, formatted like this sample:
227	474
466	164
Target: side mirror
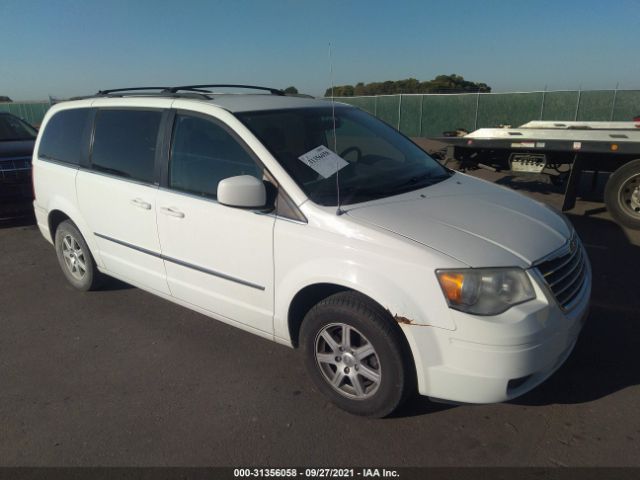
243	191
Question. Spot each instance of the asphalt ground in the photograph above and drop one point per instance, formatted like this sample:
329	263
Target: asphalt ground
120	377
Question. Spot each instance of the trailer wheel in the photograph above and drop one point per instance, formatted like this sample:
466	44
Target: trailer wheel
622	194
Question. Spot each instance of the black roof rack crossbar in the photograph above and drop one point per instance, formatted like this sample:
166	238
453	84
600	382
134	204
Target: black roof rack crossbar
198	88
114	90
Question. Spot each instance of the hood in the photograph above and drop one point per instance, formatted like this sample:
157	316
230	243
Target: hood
473	221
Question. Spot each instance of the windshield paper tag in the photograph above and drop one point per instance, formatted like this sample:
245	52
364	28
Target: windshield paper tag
323	161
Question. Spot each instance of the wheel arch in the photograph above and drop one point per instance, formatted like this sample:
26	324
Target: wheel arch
311	295
54	219
58	214
305	300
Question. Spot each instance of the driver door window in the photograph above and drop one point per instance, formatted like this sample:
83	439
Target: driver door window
203	153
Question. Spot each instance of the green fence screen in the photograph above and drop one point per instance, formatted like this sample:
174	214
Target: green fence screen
627	105
447	112
32	112
508	108
430	115
559	105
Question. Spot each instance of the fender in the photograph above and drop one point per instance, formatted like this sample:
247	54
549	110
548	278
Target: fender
403	304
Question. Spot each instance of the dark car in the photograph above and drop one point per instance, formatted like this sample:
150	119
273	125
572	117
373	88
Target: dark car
17	138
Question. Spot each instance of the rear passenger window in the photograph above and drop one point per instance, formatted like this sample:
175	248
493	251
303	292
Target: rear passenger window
202	154
65	135
125	143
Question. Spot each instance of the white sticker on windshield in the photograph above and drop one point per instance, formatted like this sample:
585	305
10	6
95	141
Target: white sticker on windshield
323	161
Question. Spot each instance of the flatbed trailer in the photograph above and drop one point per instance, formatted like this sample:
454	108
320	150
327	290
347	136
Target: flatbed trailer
605	147
578	125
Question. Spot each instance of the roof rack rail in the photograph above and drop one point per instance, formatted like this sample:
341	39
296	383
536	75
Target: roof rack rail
133	89
192	90
199	88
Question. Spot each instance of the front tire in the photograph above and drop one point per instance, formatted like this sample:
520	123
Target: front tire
356	355
75	259
622	195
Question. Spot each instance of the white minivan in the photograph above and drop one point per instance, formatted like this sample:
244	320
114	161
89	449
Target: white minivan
317	226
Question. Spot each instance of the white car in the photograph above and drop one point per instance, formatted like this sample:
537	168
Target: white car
317	226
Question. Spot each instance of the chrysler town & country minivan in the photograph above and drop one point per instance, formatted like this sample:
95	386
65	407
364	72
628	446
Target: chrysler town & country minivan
315	225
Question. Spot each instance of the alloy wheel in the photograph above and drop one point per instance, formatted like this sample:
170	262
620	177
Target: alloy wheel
348	361
74	257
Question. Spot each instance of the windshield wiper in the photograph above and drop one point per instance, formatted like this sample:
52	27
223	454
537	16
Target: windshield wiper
424	177
418	181
353	193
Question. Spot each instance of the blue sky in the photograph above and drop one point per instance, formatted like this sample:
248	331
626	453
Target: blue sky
69	47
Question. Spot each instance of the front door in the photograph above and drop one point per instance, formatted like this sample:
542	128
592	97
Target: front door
216	257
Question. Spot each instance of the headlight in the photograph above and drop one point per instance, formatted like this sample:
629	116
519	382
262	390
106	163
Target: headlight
485	291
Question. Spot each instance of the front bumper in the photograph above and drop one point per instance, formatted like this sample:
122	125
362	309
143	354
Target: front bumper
495	359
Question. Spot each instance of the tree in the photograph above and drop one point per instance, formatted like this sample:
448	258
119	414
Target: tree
441	84
410	85
360	89
339	91
291	89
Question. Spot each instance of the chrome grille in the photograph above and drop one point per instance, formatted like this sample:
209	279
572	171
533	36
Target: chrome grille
16	167
565	273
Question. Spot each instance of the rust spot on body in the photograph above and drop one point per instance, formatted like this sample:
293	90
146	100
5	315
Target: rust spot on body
404	320
400	319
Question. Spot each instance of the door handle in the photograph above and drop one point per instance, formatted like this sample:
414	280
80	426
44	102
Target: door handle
172	212
138	202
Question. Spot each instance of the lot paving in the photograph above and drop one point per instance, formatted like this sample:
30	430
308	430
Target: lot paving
121	377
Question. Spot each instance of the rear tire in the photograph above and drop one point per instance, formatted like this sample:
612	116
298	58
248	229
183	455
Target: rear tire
622	195
356	355
75	259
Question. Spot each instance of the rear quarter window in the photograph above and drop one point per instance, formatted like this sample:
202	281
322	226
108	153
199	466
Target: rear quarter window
65	136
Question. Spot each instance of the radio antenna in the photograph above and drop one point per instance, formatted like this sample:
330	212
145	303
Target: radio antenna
335	138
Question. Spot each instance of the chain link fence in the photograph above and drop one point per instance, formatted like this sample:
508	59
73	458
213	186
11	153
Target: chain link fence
429	115
32	112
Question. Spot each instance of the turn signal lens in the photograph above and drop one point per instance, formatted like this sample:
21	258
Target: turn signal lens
451	285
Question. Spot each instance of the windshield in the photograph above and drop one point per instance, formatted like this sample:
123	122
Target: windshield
373	160
13	129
